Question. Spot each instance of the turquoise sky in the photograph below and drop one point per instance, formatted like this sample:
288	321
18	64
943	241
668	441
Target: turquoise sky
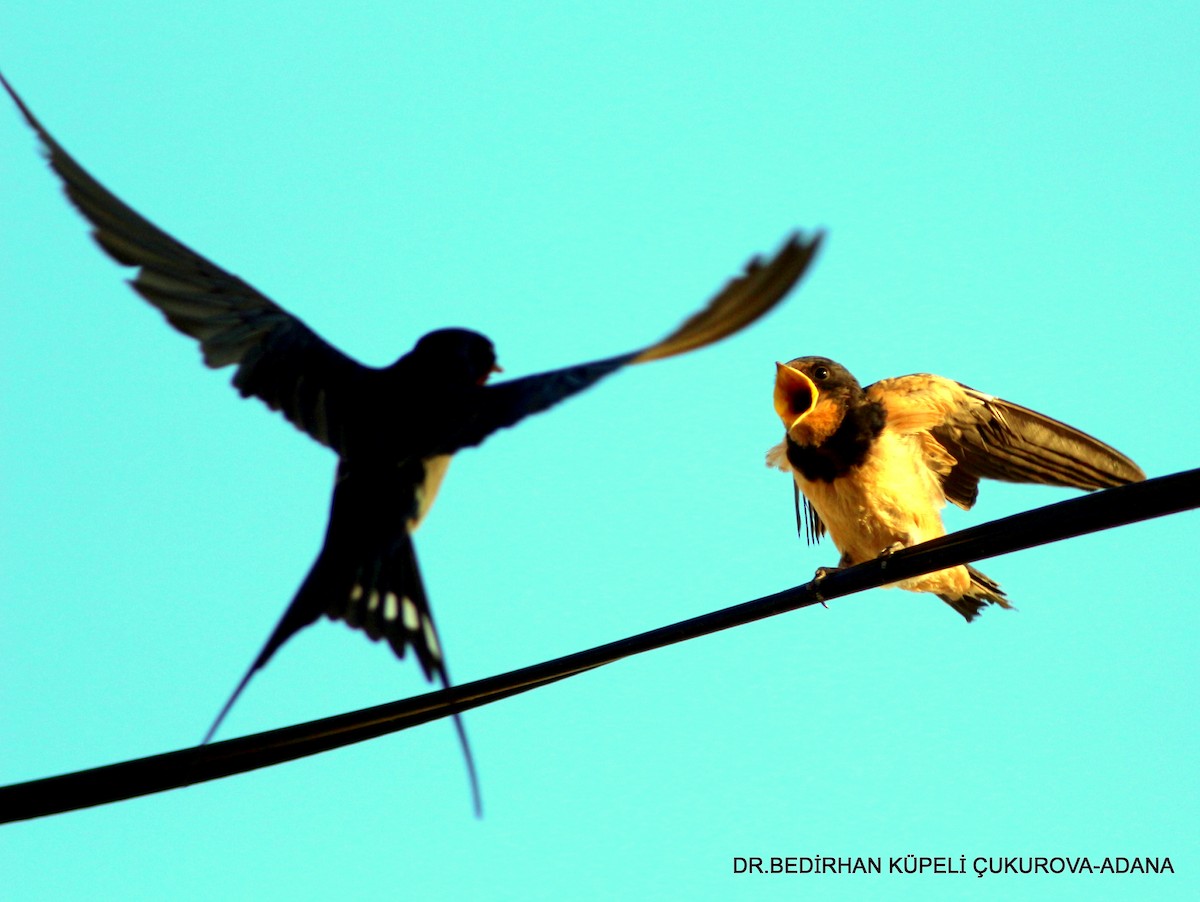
1011	194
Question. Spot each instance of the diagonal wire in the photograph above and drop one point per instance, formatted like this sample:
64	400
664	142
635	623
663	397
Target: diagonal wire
172	770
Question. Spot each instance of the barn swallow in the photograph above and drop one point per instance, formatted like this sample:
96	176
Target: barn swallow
876	465
394	429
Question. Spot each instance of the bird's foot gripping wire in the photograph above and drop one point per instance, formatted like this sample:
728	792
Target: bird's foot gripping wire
818	578
889	551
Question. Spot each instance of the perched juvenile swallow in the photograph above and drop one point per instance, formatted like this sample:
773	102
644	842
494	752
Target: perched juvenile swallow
876	465
393	428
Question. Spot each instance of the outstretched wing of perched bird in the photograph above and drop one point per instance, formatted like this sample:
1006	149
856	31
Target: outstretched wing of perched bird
976	436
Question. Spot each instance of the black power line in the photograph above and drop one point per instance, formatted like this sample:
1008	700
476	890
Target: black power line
142	776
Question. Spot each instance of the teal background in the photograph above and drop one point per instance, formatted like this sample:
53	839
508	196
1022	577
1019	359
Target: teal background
1010	192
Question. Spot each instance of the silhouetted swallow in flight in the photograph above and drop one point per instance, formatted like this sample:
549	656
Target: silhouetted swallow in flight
394	428
876	465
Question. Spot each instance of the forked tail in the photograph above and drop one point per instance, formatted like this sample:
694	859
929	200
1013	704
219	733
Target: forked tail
366	575
984	591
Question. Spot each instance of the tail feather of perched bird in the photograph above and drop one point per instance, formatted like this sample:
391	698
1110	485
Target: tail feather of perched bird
394	428
982	591
876	465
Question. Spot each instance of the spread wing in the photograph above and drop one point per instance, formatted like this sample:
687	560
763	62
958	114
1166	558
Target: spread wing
970	436
742	301
279	359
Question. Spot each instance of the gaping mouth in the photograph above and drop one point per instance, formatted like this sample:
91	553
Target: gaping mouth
795	394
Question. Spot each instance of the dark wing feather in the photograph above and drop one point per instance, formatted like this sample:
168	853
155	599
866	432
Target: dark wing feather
809	525
742	301
279	358
990	438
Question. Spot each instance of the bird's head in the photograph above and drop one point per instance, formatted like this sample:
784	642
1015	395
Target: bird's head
457	355
812	395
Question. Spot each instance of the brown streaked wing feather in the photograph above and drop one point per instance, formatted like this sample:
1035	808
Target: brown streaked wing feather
991	438
1016	444
739	303
279	358
743	300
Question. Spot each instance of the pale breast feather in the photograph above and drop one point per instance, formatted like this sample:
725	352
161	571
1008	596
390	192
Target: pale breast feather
889	498
435	472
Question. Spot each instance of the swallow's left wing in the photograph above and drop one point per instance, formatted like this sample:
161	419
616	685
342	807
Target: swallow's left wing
742	301
973	436
279	359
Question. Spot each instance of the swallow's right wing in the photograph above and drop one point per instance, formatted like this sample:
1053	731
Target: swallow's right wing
742	301
279	359
990	438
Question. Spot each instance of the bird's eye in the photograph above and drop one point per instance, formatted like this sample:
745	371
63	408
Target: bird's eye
821	373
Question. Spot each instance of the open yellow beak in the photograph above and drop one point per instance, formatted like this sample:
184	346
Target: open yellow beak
795	395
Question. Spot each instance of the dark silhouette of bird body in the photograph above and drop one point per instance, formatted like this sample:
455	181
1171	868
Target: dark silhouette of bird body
876	465
393	428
